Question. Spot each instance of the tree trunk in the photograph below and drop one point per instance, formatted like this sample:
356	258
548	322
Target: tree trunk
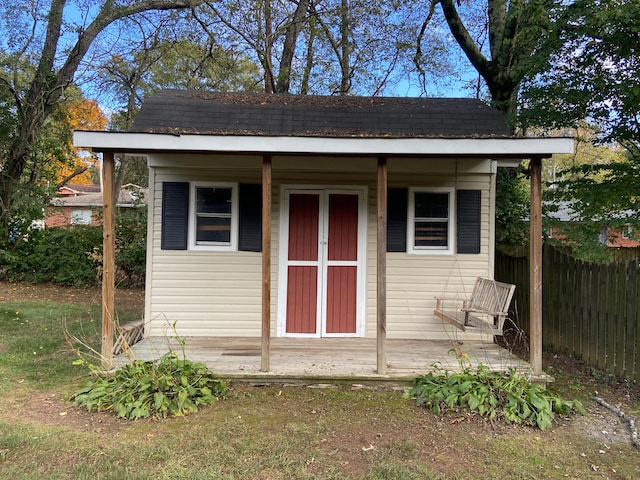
291	36
345	43
498	72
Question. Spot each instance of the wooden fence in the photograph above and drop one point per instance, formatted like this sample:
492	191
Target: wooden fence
591	311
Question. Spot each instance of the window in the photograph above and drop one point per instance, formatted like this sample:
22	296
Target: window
214	218
81	217
430	226
627	231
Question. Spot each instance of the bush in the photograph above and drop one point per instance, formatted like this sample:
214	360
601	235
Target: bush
65	256
492	394
131	244
72	256
142	389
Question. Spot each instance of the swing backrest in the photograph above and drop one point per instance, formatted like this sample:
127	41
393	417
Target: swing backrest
490	296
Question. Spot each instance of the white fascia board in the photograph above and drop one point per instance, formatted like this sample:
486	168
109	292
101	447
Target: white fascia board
149	142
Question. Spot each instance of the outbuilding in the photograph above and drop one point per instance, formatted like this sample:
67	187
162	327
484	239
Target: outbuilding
307	217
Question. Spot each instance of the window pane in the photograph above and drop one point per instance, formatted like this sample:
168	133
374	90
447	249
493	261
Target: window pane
213	200
213	229
431	205
81	217
431	234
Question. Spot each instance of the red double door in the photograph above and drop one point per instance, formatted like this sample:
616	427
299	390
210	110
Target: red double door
323	262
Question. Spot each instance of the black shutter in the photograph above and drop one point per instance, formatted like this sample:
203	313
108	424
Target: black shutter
397	219
468	217
250	218
175	215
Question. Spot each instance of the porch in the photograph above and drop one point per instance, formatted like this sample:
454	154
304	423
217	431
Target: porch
325	360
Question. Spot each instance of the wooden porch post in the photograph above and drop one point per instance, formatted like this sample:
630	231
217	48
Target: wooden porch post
535	273
266	263
381	345
108	259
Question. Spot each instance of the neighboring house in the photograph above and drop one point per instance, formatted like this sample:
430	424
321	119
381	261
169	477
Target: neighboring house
82	204
323	162
610	237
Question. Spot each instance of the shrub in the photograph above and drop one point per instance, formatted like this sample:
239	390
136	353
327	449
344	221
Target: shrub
72	256
492	394
142	389
59	255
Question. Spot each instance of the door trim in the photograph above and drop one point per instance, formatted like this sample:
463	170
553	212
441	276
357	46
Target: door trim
283	243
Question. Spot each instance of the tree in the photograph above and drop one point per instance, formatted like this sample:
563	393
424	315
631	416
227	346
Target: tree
264	28
57	46
80	114
172	54
593	78
510	45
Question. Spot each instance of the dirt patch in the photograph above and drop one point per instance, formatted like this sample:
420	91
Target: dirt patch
50	408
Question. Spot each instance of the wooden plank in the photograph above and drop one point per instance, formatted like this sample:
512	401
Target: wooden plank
593	314
108	259
381	336
602	299
571	305
266	265
636	319
551	302
612	289
535	224
578	311
620	309
631	334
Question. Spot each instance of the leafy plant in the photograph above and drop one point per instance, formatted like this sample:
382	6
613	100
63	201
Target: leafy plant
142	389
509	396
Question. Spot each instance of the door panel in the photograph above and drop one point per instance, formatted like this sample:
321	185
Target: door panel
304	210
342	294
302	296
302	272
343	227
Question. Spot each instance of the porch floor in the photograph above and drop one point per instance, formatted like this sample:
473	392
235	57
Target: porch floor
324	360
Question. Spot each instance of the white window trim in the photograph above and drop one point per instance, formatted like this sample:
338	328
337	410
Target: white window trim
233	245
412	249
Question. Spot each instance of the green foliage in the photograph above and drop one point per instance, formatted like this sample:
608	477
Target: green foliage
143	389
512	207
68	256
492	394
72	256
131	244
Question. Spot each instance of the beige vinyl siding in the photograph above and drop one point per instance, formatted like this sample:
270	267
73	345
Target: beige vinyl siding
219	293
202	293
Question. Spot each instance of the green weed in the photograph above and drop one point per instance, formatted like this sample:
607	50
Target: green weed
509	396
143	389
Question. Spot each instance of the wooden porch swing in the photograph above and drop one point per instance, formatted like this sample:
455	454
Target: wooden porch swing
484	312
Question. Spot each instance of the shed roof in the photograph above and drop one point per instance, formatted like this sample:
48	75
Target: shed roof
251	114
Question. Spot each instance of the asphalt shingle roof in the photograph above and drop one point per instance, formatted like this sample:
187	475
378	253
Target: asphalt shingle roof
193	112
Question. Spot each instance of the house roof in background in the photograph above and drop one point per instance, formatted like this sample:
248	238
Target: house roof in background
73	189
253	114
130	195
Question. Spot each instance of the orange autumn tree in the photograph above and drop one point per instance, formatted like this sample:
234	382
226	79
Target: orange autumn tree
79	114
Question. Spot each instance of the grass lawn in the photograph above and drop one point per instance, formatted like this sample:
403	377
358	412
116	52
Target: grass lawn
276	432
